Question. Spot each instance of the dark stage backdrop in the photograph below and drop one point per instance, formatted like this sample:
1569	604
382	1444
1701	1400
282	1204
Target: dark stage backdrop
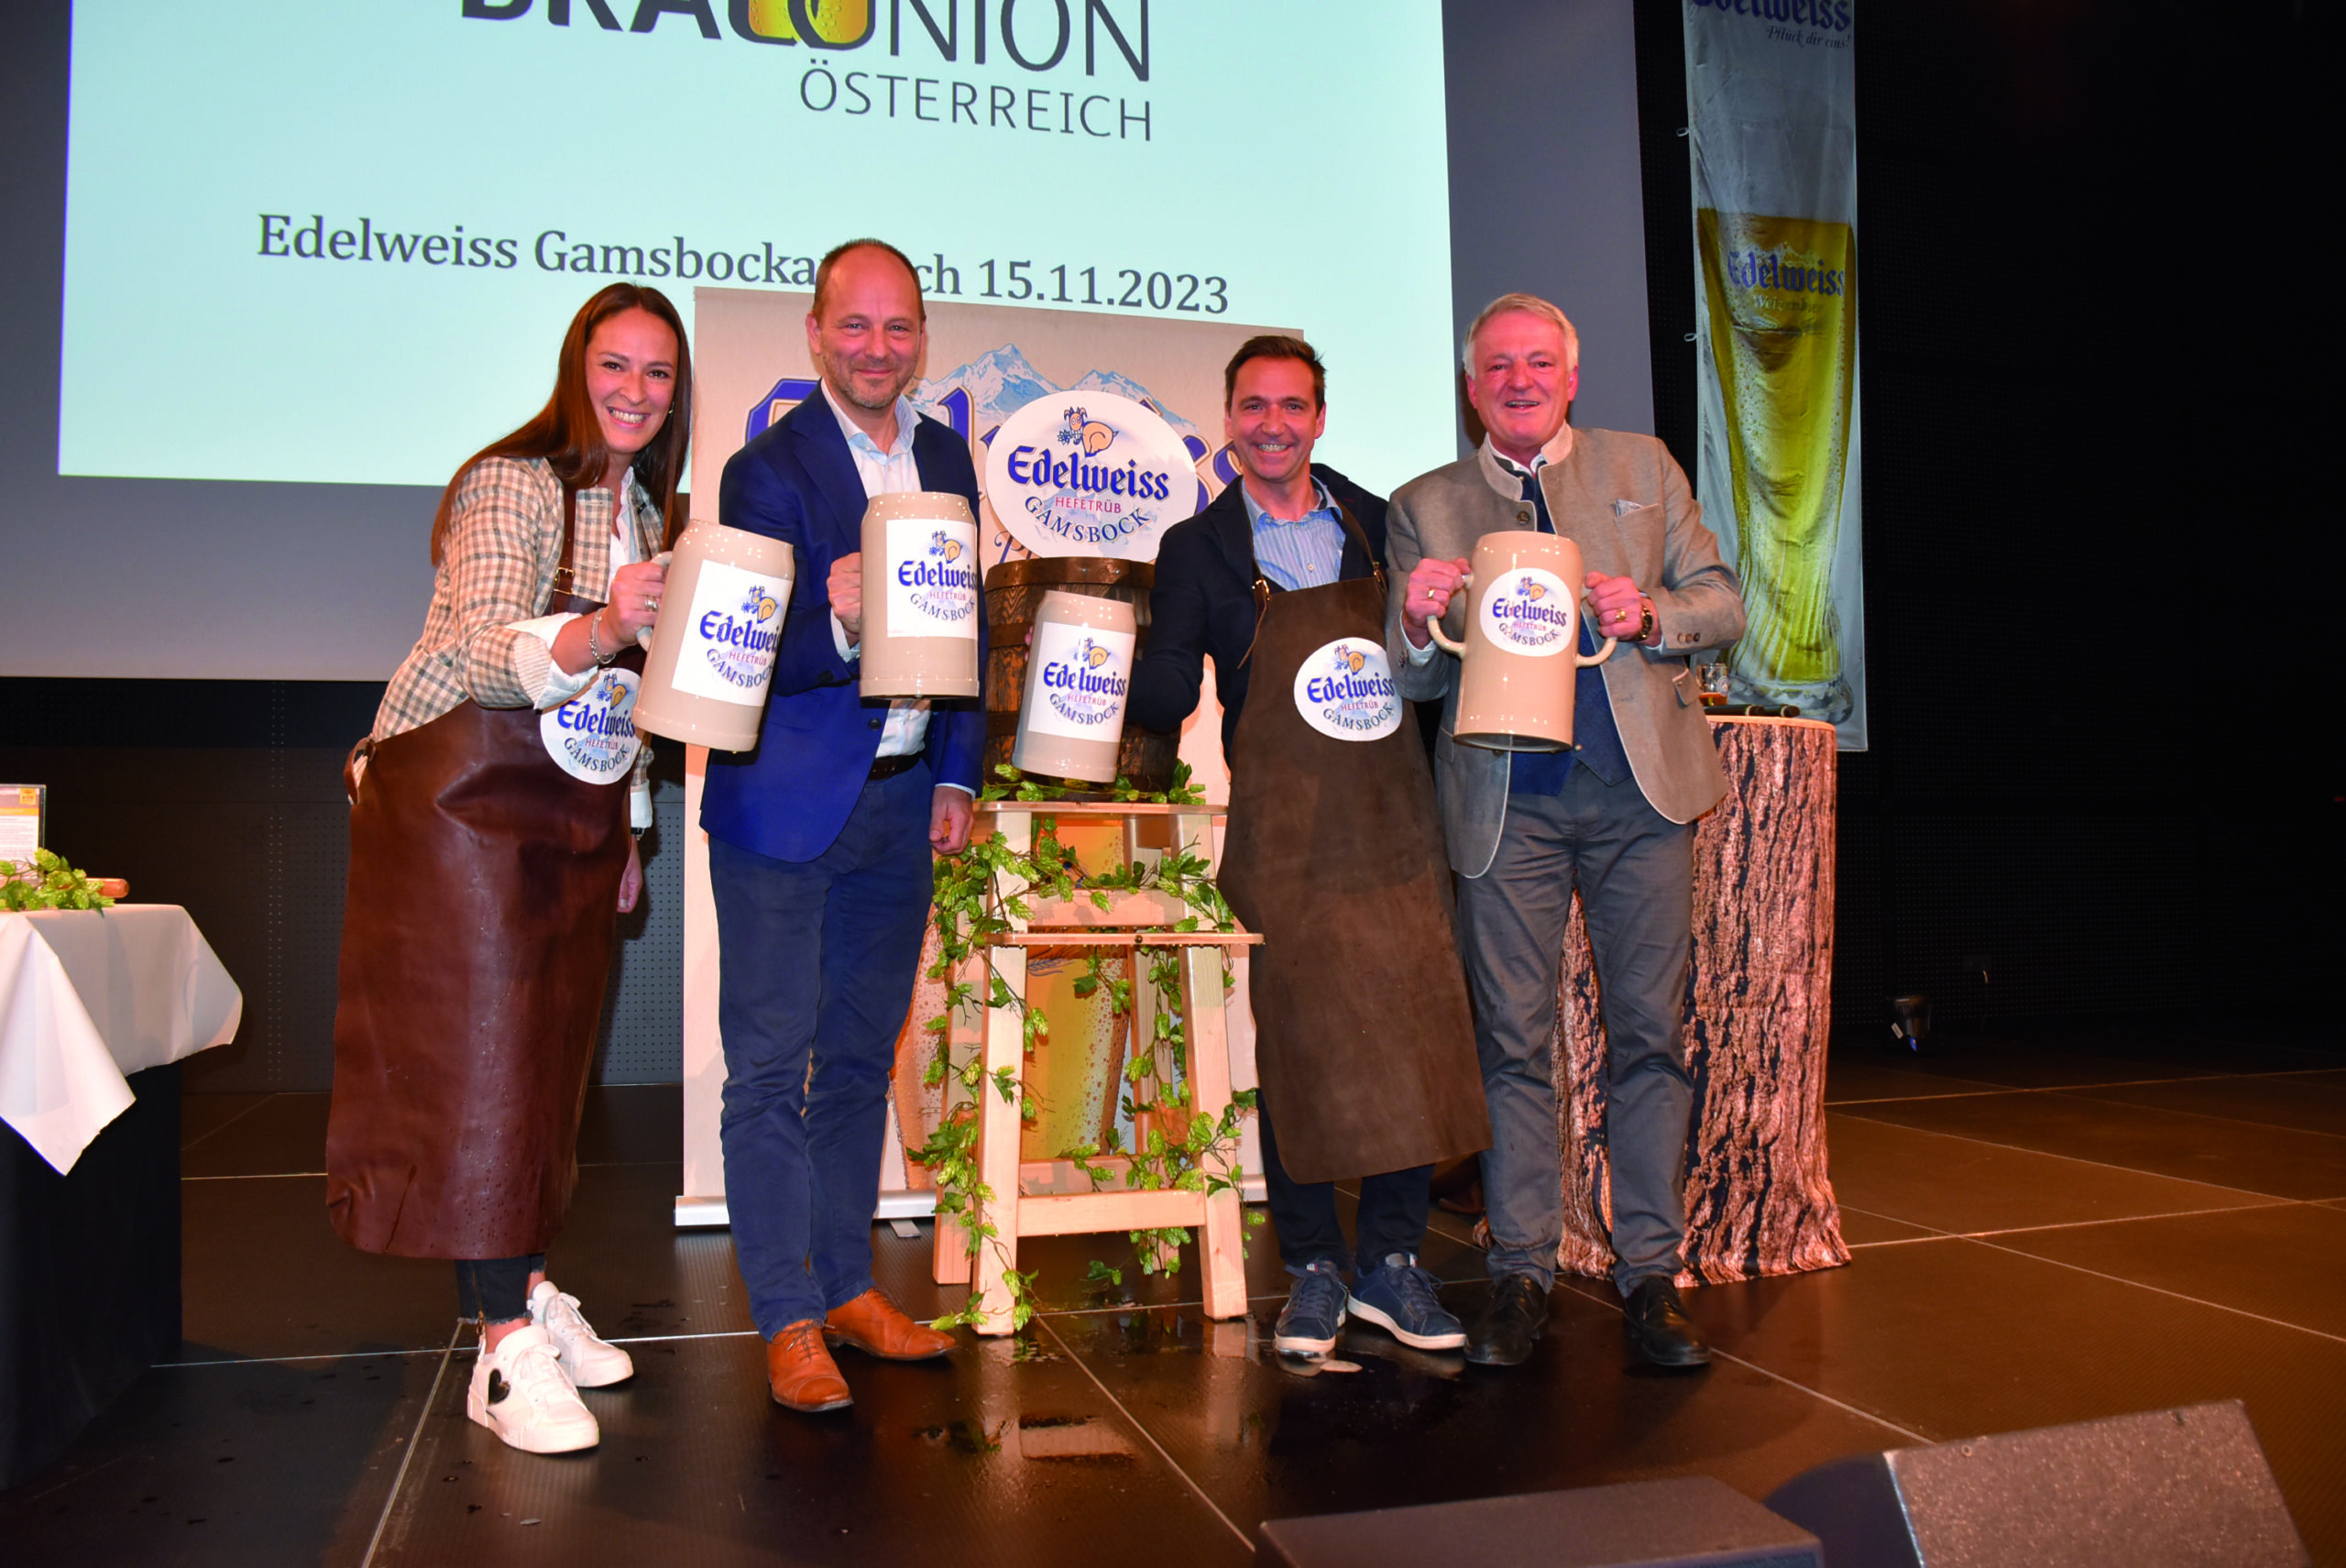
2097	557
2099	567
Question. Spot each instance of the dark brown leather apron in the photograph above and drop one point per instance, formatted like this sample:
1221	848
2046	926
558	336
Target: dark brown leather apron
1362	1038
475	941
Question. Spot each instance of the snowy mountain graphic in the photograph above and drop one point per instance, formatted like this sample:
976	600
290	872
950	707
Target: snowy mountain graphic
1125	386
1001	382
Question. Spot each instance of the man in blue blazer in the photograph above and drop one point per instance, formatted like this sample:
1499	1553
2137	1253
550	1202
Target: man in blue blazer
820	840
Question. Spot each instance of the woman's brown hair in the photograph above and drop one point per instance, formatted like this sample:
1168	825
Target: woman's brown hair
567	434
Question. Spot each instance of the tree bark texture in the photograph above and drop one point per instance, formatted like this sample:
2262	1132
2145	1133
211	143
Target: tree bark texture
1759	1009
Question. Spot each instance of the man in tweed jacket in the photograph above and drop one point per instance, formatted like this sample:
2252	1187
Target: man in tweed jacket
1612	817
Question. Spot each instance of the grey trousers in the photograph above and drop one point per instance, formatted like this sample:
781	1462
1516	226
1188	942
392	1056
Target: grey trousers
1635	870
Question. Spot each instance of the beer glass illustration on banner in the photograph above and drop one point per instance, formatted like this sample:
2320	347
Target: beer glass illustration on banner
920	596
713	647
1521	659
1783	339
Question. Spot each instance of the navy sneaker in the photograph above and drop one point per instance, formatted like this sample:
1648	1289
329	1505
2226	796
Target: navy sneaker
1314	1313
1403	1299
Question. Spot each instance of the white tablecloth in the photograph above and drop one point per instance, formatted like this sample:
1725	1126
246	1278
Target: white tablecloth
89	997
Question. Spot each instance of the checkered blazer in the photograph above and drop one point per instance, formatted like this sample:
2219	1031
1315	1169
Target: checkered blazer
497	568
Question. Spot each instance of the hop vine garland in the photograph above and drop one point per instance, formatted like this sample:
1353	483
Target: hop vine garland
47	881
971	911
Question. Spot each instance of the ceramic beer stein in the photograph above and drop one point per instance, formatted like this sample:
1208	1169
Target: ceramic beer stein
1521	658
920	596
713	646
1078	675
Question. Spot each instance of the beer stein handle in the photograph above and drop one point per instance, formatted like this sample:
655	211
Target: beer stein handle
1433	626
1584	660
643	633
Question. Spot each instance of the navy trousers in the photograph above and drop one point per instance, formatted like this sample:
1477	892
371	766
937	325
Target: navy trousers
1392	1215
816	971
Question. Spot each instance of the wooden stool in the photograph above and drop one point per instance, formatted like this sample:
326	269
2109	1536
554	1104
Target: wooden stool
1051	1198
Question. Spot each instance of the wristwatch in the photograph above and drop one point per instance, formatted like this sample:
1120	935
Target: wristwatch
1645	621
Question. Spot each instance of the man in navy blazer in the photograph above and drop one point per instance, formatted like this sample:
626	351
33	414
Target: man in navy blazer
820	841
1203	603
1281	519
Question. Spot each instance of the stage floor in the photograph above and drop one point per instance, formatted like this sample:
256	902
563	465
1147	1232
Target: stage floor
2047	1229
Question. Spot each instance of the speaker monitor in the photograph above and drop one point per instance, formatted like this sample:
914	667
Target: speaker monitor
1639	1524
2161	1489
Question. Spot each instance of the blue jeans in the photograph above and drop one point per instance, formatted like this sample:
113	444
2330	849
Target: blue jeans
496	1289
1635	870
816	970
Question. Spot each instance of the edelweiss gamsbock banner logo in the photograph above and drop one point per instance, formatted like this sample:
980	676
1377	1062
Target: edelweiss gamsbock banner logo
592	735
1089	474
1344	690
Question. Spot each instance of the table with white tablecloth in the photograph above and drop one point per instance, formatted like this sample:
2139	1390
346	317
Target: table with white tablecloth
97	1007
89	997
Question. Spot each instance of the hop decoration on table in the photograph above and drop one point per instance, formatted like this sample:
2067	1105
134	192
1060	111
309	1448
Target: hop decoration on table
47	881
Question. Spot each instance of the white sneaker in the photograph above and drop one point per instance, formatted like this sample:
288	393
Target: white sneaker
591	1362
521	1393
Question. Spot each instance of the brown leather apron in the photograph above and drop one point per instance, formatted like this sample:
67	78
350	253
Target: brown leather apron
1363	1037
475	942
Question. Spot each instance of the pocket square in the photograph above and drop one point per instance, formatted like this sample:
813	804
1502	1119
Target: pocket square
1623	507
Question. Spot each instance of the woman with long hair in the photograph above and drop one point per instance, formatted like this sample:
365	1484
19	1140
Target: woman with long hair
493	814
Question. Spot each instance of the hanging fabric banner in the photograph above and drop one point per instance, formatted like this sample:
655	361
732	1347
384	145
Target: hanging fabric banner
1770	95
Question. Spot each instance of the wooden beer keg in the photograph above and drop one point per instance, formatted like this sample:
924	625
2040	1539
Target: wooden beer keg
1015	590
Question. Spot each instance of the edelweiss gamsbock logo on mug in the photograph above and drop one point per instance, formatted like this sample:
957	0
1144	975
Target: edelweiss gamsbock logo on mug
733	634
933	577
1082	677
1528	610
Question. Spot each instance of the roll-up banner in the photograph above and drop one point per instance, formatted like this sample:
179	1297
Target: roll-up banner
1770	95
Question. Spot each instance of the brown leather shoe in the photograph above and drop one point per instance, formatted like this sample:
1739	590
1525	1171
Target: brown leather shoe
800	1371
874	1325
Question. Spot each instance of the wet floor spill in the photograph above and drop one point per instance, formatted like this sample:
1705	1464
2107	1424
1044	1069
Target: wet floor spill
1073	1440
964	1437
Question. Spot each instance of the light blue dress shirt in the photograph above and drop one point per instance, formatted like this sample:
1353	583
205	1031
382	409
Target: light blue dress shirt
893	472
1305	553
